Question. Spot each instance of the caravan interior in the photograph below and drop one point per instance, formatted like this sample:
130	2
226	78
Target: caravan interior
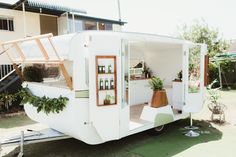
164	60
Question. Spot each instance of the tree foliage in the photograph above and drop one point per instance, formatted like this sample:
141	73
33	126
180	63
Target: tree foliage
200	32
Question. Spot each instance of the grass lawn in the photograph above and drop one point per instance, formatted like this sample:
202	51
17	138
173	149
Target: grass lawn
15	121
214	141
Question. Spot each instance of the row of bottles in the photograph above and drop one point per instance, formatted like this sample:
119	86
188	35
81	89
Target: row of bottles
104	69
106	84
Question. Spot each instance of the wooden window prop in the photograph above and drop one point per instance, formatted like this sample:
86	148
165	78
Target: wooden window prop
106	80
206	71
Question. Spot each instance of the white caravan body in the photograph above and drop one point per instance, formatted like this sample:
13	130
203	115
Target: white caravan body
83	118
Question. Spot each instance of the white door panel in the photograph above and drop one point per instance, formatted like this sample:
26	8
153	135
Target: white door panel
104	118
194	78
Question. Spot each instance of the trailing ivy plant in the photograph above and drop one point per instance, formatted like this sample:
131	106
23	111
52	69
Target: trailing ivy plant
45	104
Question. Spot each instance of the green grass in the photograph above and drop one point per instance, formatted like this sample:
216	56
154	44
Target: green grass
173	141
144	144
15	121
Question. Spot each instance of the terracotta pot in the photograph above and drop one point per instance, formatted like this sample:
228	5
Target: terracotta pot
159	99
107	102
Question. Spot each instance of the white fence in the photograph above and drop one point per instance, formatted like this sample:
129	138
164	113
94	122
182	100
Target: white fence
5	71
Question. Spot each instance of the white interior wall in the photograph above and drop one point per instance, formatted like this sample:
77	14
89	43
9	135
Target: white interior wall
165	63
164	60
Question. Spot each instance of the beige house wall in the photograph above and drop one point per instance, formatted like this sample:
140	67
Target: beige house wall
32	24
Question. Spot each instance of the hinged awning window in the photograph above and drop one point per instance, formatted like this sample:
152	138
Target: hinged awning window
37	49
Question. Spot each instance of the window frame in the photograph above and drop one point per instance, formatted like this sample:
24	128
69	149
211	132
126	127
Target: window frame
10	24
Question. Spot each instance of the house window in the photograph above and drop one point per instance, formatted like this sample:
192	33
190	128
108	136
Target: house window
90	25
78	25
108	26
6	24
105	26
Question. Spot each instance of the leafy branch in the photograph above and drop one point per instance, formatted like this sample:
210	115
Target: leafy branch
45	104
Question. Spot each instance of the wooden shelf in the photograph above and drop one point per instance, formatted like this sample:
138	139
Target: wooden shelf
106	105
106	89
105	61
105	73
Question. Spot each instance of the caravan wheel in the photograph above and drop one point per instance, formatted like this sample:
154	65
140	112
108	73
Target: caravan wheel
159	128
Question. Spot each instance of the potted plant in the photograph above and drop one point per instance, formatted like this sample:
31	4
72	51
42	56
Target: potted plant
215	106
107	100
146	71
159	97
179	77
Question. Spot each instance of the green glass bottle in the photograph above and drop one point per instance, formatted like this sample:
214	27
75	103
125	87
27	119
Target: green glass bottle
109	69
111	83
106	84
101	84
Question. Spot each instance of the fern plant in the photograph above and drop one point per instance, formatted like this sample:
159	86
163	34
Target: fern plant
156	83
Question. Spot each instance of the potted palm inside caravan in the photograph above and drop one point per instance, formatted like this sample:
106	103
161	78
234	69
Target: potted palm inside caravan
159	97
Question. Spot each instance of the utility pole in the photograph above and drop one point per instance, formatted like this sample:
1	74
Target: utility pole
119	11
24	20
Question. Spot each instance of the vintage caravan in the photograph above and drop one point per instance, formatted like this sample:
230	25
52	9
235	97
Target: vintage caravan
94	65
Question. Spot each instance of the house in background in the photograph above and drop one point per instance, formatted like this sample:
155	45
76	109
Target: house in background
34	17
27	18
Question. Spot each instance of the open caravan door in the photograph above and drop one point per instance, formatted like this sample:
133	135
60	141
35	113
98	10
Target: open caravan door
104	85
194	77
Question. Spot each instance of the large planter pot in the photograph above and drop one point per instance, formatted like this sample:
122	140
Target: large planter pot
159	99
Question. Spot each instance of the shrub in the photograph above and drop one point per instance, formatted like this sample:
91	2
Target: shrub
213	74
33	74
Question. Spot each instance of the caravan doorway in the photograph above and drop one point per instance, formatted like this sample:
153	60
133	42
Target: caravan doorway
164	60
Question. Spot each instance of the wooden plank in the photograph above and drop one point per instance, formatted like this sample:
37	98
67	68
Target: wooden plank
28	39
42	49
38	61
66	76
20	51
18	72
206	70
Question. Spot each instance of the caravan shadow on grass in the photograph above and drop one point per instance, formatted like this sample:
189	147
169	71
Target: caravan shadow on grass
144	144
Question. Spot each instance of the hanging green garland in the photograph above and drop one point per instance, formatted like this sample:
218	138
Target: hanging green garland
45	104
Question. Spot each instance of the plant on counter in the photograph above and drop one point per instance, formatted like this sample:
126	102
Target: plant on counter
107	100
156	83
159	97
45	104
179	77
146	71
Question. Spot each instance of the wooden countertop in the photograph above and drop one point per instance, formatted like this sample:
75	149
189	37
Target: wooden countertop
136	79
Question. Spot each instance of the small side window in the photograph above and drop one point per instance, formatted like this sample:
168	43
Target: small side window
6	24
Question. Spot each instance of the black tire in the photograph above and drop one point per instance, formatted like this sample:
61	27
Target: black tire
157	130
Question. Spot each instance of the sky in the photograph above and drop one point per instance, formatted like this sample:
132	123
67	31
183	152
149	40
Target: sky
164	17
